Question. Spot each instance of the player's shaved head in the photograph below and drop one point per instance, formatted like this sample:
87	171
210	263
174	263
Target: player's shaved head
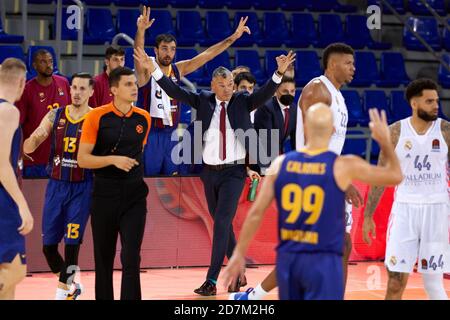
319	122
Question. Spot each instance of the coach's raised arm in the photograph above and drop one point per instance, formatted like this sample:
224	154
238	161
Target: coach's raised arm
219	84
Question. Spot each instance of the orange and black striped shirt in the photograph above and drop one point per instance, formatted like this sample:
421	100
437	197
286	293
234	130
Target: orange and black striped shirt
113	133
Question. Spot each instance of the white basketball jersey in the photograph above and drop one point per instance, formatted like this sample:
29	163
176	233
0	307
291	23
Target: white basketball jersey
340	119
423	159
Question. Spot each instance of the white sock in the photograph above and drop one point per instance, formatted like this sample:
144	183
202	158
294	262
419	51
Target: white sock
61	294
434	286
258	293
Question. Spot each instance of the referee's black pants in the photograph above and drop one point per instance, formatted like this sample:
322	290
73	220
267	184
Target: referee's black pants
118	207
222	190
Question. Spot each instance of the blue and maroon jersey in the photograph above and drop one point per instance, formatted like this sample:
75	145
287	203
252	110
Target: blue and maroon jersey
144	97
310	204
65	141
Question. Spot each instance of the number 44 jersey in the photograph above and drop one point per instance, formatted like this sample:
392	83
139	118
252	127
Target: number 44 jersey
423	160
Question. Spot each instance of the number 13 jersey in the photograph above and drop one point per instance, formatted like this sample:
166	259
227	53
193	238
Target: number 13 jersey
65	141
423	159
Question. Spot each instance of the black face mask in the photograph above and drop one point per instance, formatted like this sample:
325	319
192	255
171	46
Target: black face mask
287	99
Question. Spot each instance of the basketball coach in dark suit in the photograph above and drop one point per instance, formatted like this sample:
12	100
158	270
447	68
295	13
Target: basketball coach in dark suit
223	114
278	115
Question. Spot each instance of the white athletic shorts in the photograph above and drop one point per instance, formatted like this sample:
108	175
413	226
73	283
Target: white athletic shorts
418	232
348	217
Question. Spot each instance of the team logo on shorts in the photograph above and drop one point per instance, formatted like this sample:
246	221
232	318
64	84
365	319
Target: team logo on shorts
62	122
436	146
139	129
393	260
424	264
408	145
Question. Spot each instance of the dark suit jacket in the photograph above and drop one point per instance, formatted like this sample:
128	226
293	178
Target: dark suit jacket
238	109
270	117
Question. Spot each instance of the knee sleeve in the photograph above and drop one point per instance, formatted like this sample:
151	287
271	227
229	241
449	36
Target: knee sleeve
434	286
70	264
54	259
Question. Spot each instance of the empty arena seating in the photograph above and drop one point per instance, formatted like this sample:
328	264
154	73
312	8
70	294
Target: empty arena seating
8	38
275	30
356	114
185	54
307	66
250	58
99	26
330	30
358	35
217	27
303	31
366	72
189	28
256	34
427	28
392	70
377	99
417	8
11	51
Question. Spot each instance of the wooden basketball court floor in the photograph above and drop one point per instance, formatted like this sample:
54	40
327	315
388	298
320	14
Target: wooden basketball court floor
367	281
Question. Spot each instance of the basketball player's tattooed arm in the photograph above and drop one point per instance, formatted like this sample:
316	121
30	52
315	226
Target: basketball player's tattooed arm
445	128
40	134
187	66
376	192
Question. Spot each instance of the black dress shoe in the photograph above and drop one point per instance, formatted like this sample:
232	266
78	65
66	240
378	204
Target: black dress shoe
206	289
235	287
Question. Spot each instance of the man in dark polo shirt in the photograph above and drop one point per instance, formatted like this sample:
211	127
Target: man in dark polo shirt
112	141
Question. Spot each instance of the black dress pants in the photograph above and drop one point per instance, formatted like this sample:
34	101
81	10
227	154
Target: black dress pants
118	207
222	190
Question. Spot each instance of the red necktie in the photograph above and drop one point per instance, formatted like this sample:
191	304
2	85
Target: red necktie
223	136
286	120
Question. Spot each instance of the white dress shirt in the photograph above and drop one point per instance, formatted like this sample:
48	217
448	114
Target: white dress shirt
235	151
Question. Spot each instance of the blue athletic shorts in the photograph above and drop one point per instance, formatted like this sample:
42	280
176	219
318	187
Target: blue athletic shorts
310	276
66	211
12	242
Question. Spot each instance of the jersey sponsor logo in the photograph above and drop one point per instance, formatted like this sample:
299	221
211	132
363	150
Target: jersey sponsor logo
139	129
56	161
423	178
408	145
408	156
436	146
42	97
60	92
158	94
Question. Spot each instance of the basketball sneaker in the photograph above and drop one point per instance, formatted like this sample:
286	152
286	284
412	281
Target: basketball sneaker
240	295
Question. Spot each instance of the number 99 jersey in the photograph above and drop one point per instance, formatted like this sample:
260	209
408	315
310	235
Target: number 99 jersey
310	204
